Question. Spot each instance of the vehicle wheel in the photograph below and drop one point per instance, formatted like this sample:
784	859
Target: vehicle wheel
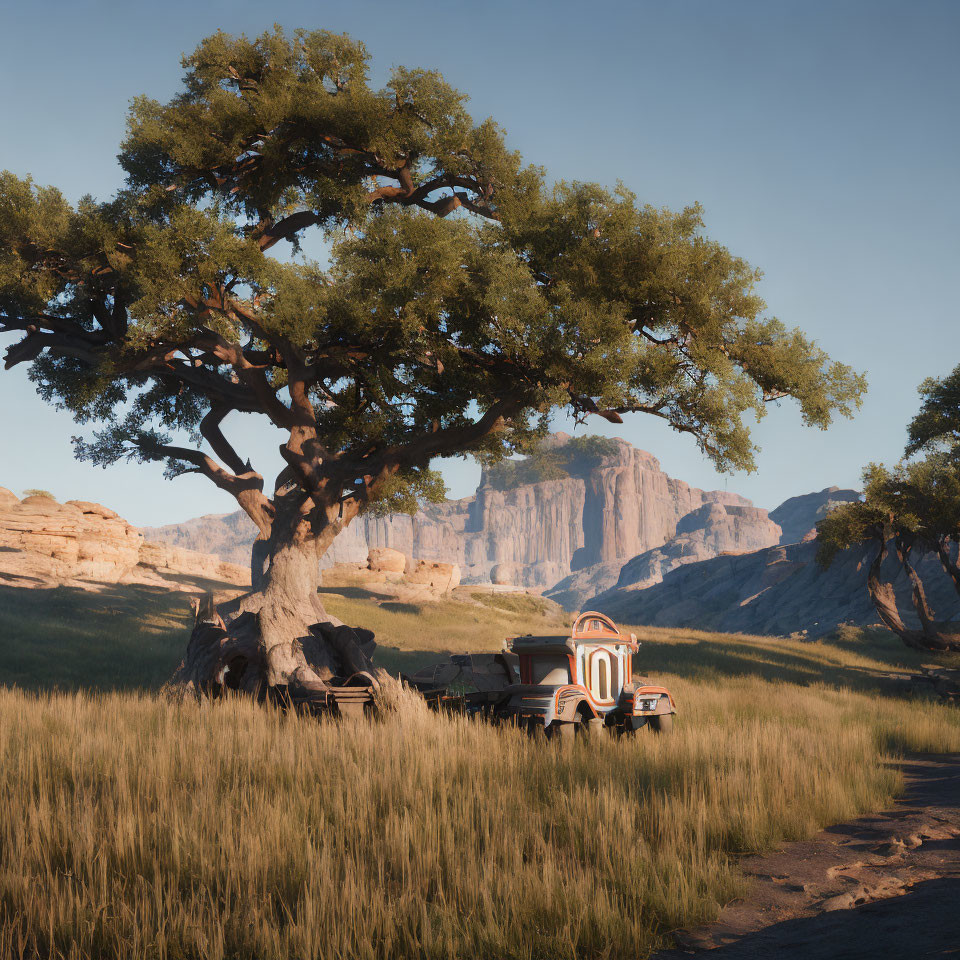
661	724
533	727
564	731
631	725
594	727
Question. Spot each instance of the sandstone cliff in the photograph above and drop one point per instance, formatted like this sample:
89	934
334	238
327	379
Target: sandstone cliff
709	531
780	590
45	543
533	535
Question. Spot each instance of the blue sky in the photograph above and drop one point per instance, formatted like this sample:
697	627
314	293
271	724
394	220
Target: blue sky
821	139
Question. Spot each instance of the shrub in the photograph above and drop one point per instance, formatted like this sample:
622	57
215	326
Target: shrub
577	457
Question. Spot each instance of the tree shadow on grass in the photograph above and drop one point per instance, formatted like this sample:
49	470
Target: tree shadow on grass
351	593
395	660
703	659
398	606
109	637
125	636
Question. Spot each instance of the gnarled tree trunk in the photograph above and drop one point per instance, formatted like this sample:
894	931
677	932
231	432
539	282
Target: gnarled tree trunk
950	566
932	635
278	635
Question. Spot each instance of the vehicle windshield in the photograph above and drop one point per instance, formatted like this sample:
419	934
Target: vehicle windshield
550	668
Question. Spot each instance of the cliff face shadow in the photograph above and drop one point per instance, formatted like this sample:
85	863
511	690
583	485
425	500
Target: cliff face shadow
110	637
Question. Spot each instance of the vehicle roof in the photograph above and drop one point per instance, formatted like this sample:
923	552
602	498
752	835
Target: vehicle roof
588	628
563	639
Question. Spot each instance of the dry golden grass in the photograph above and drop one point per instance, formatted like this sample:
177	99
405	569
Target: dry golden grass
133	829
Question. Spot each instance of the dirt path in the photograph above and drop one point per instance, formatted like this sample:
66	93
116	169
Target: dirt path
885	886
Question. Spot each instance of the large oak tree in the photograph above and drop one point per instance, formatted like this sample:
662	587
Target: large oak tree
466	299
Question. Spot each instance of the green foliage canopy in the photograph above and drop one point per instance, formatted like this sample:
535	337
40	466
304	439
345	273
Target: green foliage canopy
576	457
936	427
466	300
918	499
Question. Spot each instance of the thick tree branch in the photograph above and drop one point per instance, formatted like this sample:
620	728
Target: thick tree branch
246	488
58	344
378	465
210	429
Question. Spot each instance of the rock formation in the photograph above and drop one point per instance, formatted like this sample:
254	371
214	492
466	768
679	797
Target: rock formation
228	535
709	531
533	535
389	573
778	591
798	516
45	543
177	561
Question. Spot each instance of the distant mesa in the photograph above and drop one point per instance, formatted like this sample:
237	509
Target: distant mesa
605	503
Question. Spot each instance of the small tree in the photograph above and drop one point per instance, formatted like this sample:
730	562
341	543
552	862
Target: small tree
465	302
915	506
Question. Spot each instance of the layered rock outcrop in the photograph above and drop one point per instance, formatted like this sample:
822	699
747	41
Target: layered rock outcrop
709	531
391	573
43	543
176	561
44	540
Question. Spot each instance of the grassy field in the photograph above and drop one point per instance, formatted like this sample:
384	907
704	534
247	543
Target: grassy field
133	829
121	638
131	637
413	635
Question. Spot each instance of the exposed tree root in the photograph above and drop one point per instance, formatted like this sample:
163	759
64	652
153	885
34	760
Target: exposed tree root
256	641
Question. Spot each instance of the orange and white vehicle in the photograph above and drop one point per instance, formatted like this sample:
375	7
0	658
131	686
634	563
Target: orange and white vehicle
583	681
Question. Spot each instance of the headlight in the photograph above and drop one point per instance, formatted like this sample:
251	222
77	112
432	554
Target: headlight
642	704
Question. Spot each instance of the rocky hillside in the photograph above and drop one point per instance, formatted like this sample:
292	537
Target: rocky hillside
709	531
227	535
533	534
780	590
798	516
45	543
